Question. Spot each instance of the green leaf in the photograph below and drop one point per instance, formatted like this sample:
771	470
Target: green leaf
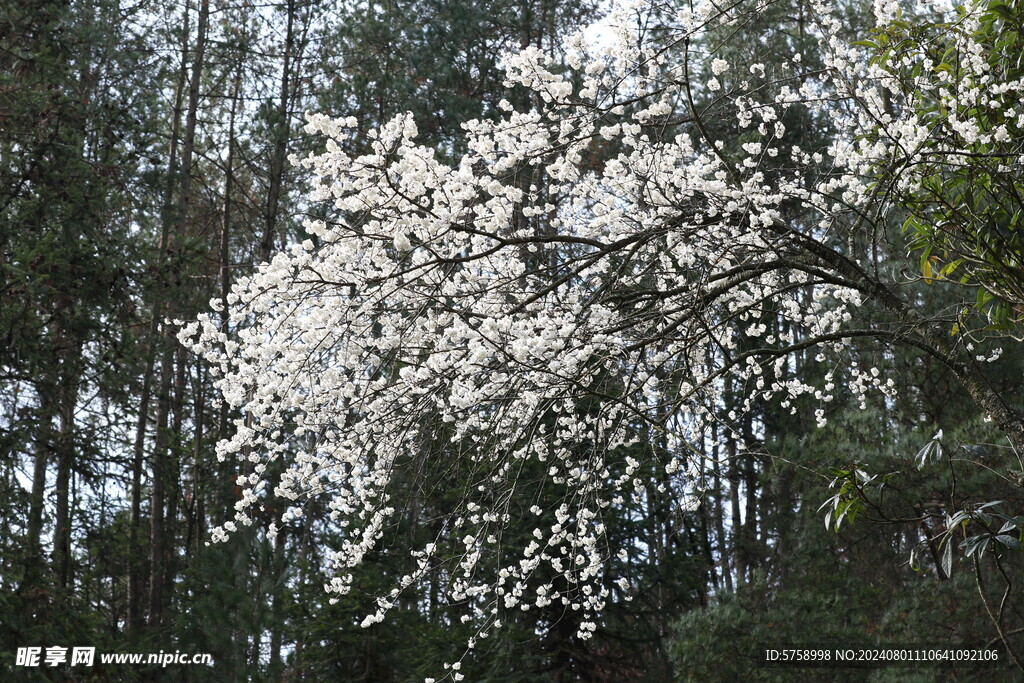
1008	541
1011	524
950	267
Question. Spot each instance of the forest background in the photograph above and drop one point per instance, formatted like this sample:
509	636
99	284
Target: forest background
144	166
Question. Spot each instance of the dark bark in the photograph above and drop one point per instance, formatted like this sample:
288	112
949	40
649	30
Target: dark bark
282	134
136	589
159	543
277	621
65	455
37	498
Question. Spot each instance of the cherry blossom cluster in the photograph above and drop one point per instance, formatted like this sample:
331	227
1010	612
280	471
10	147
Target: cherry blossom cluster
530	316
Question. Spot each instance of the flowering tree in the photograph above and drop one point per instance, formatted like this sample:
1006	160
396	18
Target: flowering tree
594	274
960	82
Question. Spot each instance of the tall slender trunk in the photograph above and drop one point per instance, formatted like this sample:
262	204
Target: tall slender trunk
37	498
135	514
157	539
173	471
723	541
751	493
277	605
281	136
67	336
711	577
7	561
227	214
67	396
196	507
152	339
736	527
305	548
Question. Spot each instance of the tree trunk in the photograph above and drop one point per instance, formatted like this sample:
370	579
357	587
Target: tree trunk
65	451
277	605
722	544
281	138
739	554
152	339
37	499
750	488
157	538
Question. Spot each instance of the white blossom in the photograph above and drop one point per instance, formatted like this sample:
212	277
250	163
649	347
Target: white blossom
555	323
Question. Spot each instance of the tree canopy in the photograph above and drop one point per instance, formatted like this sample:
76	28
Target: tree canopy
548	340
638	254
